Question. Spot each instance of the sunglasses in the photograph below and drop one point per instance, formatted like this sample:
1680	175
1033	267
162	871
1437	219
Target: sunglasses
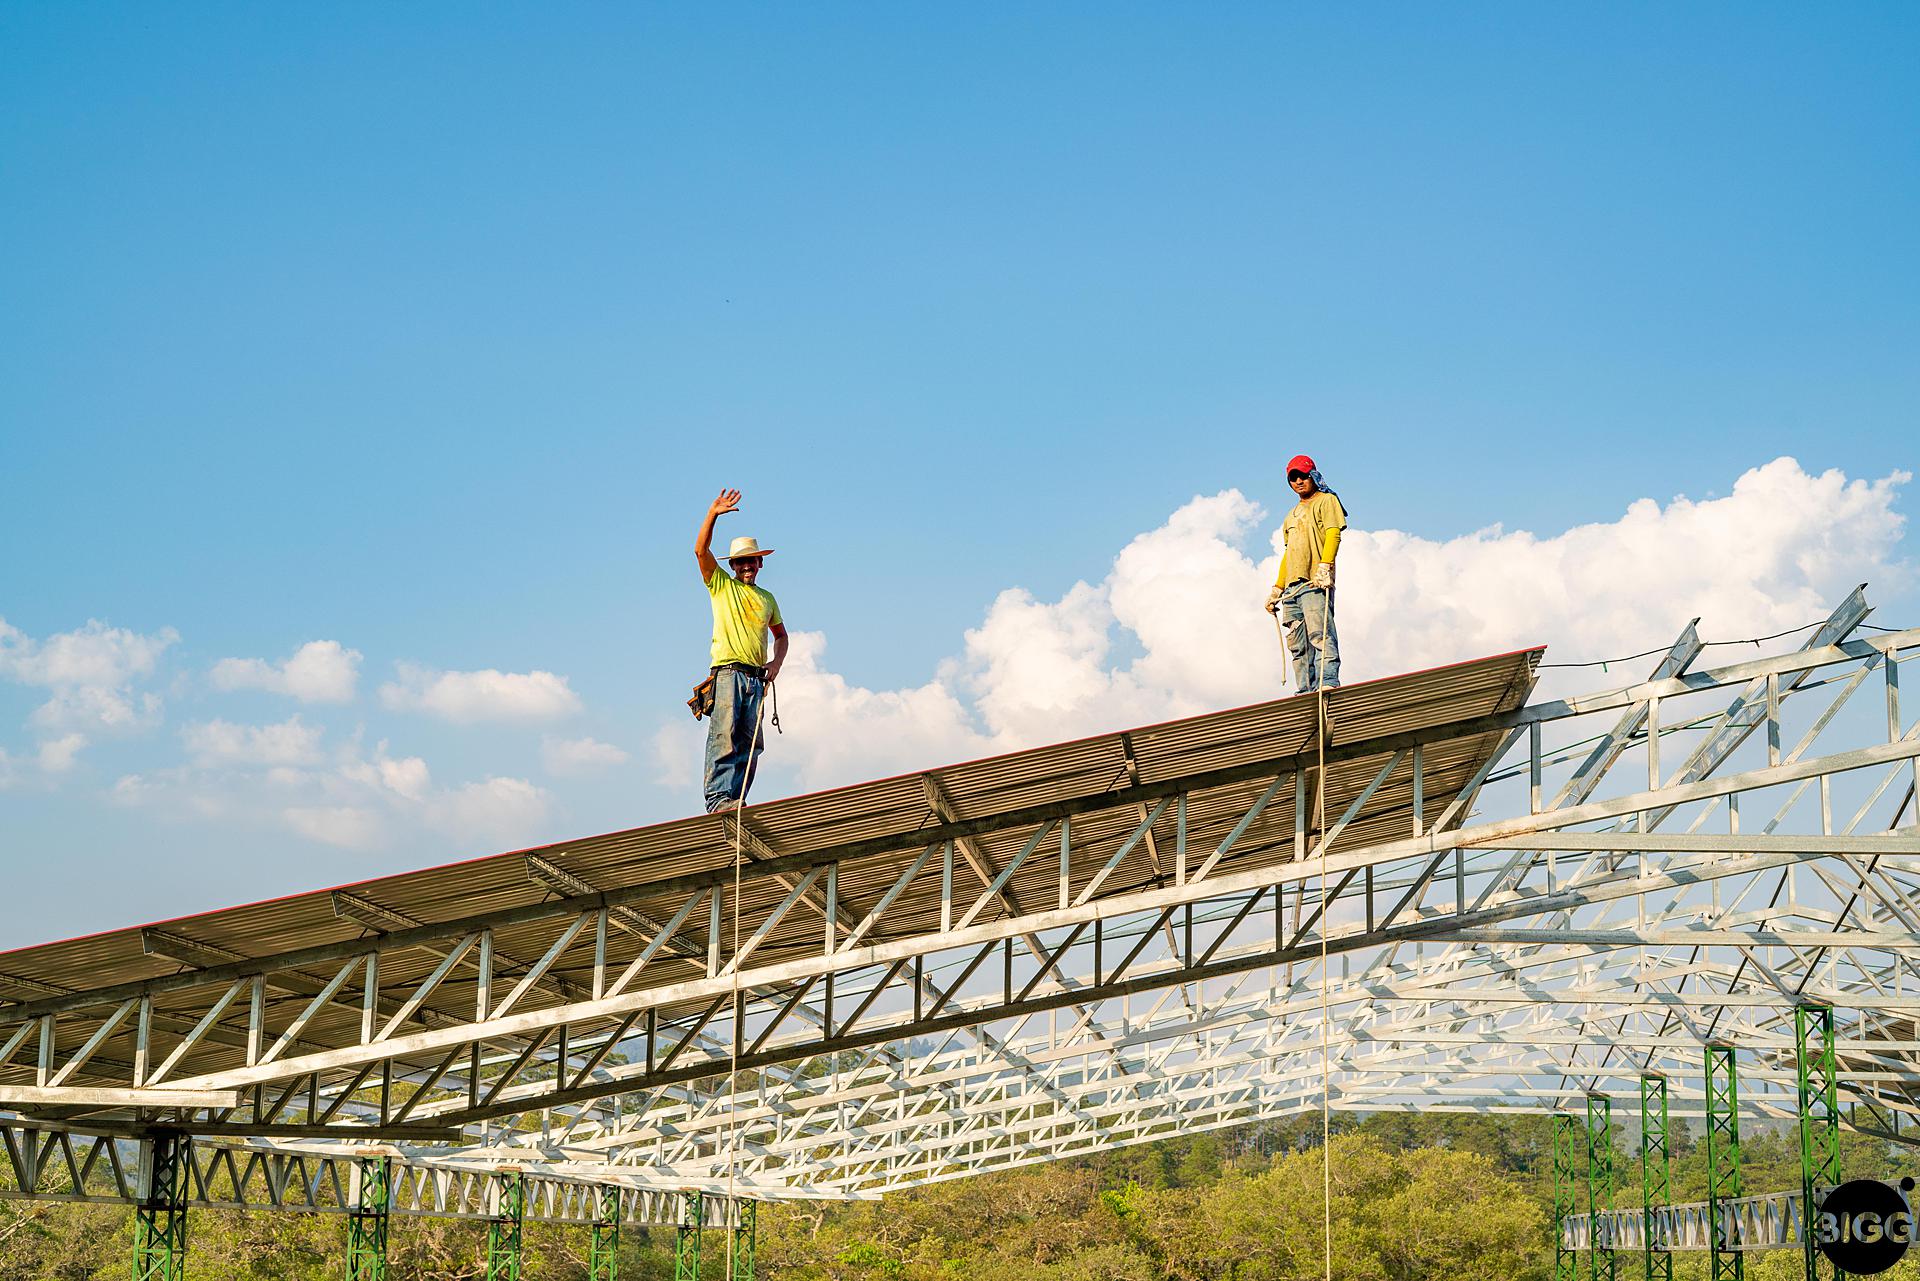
747	562
1297	475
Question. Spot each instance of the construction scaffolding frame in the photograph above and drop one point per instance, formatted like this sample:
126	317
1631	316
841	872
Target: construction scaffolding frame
1525	906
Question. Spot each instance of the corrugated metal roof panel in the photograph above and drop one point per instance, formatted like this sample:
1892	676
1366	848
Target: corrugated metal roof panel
887	808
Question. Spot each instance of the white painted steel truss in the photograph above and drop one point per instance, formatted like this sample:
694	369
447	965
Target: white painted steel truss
1582	891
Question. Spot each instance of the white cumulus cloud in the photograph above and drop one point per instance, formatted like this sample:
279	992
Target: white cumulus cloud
321	671
467	697
57	755
217	742
497	811
1175	627
567	756
346	826
1778	551
89	674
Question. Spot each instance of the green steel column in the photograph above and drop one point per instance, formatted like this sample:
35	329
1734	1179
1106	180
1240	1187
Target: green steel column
505	1229
1602	1263
686	1241
160	1220
1656	1184
1566	1263
745	1229
1723	1160
1819	1126
604	1263
367	1221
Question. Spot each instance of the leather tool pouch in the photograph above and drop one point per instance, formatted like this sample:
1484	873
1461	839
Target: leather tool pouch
701	704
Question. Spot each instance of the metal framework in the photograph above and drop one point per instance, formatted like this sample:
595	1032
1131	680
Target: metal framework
506	1226
1569	1166
603	1260
686	1242
1819	1122
368	1220
1602	1259
1723	1160
160	1219
1520	905
1656	1177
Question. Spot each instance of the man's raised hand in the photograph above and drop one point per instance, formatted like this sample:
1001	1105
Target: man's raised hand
727	501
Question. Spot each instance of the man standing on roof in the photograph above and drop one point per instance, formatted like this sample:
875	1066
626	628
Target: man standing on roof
743	613
1303	593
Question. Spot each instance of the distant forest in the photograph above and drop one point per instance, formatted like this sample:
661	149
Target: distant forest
1413	1196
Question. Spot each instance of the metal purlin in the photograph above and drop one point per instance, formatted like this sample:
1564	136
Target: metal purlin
1723	1161
1602	1263
1819	1126
686	1240
368	1221
506	1229
1566	1260
1656	1182
160	1221
603	1263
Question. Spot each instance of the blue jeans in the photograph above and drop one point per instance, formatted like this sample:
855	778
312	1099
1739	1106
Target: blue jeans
732	752
1307	615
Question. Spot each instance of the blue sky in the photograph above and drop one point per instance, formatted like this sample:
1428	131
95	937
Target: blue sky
429	331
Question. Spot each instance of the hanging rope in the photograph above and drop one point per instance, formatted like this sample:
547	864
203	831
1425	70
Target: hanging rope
1326	921
1321	727
733	1052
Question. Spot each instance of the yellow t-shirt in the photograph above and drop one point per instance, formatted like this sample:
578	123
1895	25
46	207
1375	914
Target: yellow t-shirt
1305	533
741	617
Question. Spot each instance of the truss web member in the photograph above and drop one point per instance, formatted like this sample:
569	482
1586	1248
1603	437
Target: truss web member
1303	593
743	613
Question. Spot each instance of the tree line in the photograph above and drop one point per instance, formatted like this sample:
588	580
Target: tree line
1410	1196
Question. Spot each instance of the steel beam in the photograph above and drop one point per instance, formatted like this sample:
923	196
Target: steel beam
1723	1161
160	1218
686	1241
603	1260
1569	1170
368	1221
506	1230
1818	1096
1656	1182
744	1237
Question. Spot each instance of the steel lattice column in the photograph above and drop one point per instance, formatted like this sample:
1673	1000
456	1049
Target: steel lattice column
1656	1184
745	1228
604	1263
367	1223
506	1229
160	1220
1566	1262
686	1240
1602	1263
1723	1160
1819	1124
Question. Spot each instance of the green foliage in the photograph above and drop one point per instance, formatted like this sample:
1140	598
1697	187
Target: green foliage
1409	1196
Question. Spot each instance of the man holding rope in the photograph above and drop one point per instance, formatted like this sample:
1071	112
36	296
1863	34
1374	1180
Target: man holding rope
1302	595
743	614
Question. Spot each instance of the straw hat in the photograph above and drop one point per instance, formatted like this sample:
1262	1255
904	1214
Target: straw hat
747	547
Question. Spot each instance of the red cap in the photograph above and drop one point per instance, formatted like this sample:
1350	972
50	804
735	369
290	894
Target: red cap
1300	463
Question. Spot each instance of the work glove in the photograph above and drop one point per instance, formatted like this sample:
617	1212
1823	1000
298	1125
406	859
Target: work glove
1273	599
1323	575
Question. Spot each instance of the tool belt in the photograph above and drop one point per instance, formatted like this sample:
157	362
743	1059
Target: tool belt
701	704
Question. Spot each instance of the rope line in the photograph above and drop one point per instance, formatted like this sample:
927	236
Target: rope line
1601	663
1326	908
733	1051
